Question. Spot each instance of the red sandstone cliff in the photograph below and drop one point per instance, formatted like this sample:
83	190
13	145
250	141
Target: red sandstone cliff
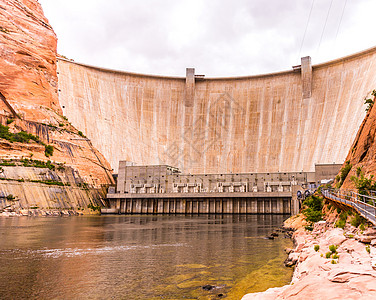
28	59
363	151
28	80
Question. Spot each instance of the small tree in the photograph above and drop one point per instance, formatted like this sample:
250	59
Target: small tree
363	184
313	208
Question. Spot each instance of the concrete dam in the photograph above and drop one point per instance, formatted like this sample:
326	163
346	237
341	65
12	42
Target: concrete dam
280	122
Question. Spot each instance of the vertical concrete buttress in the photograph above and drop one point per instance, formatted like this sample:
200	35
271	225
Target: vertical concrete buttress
306	70
121	177
190	87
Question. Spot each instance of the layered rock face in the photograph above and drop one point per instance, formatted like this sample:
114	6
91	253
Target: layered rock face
247	124
28	82
28	59
362	154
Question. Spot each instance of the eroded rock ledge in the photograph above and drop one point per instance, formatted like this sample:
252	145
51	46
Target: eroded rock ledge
351	276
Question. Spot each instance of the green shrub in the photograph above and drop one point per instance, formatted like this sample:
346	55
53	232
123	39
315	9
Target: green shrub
333	248
37	163
368	249
335	256
343	173
328	254
357	220
51	182
363	184
333	262
21	137
370	101
48	150
340	224
10	197
359	171
61	124
10	121
60	167
316	247
343	216
362	227
94	207
81	134
7	163
313	208
345	170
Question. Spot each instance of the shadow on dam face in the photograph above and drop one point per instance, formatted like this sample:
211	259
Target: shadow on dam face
285	121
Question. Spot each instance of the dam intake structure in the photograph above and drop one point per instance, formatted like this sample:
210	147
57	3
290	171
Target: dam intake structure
163	189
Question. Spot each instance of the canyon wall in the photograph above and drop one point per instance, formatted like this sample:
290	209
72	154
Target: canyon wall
362	154
29	106
285	121
28	59
42	188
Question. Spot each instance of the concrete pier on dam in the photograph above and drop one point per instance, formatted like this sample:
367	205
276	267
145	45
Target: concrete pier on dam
281	122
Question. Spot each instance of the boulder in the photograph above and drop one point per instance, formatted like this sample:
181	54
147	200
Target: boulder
291	259
334	236
288	250
365	238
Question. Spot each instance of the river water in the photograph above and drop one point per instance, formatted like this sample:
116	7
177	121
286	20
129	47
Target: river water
140	257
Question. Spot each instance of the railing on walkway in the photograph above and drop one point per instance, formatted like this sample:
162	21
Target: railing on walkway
363	204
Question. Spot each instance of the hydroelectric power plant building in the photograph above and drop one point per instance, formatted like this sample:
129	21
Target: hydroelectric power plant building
280	123
164	189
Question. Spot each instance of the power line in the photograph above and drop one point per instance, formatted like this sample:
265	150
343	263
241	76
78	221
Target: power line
340	22
305	31
323	30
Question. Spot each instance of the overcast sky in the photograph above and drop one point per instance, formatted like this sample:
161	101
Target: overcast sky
217	37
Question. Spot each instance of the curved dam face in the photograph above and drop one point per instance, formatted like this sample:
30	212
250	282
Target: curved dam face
286	122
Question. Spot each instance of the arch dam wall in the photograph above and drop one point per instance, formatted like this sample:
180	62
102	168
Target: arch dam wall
285	121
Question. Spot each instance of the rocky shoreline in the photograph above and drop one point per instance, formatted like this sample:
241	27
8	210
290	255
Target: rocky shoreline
38	212
330	263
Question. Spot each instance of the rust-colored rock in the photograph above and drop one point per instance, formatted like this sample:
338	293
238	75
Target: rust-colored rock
28	58
28	87
363	150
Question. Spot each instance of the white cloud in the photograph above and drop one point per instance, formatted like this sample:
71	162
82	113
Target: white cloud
218	38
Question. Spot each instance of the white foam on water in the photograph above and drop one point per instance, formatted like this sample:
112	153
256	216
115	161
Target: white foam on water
73	252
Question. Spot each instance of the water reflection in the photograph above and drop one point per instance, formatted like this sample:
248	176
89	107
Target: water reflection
139	257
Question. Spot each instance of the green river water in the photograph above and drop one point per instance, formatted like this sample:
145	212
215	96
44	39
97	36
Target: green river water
140	257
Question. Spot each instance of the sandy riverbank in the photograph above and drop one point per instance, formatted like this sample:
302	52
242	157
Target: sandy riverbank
350	276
